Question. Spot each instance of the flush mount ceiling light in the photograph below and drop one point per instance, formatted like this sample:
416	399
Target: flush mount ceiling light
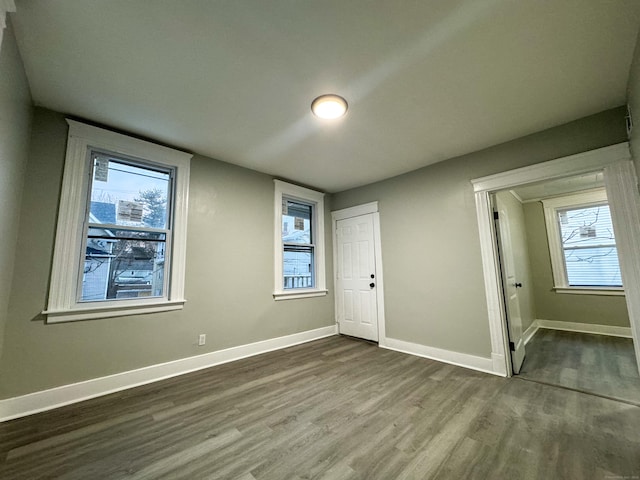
329	106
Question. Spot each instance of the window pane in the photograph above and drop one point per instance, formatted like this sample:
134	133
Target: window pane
117	268
126	194
125	262
594	267
296	222
589	226
588	242
298	267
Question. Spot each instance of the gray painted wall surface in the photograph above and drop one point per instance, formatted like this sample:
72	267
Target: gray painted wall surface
230	221
593	309
434	288
518	233
15	122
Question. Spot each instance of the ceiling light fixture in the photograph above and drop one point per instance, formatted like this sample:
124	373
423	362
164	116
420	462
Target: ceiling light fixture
329	106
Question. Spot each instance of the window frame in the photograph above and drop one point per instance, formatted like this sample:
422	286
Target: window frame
284	190
558	267
64	304
167	231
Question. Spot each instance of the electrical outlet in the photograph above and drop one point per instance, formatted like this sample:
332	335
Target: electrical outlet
202	339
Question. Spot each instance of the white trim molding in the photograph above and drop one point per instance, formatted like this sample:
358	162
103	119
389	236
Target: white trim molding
607	291
356	211
530	332
66	270
465	360
94	313
609	330
6	6
585	162
316	200
350	212
624	201
377	238
77	392
551	206
493	284
621	186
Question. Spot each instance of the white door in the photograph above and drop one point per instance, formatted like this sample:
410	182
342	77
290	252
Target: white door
510	286
356	278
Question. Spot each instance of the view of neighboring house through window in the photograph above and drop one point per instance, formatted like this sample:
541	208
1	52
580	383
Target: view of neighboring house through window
589	247
127	228
297	241
120	245
582	242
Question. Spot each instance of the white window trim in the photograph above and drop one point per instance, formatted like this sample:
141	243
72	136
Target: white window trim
284	189
6	6
551	205
63	305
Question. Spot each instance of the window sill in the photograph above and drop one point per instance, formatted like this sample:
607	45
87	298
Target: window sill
288	295
590	291
106	311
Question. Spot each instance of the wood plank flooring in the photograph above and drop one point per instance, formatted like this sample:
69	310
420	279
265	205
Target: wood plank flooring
598	364
332	409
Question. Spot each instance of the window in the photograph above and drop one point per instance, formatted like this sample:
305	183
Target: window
298	249
299	242
121	234
127	226
584	257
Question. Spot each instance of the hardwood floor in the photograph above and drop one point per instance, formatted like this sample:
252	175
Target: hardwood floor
335	408
597	364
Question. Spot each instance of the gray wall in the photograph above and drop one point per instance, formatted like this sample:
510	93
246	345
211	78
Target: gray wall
15	122
434	288
433	273
518	234
593	309
230	220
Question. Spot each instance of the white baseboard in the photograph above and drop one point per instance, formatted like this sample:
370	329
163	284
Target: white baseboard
583	328
447	356
76	392
499	365
530	332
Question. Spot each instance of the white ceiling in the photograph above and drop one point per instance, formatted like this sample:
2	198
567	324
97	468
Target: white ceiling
426	80
561	186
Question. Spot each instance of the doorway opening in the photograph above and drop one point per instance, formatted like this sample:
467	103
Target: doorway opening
566	315
359	287
619	179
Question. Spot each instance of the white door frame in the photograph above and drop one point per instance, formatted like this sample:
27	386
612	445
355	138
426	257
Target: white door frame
365	209
624	200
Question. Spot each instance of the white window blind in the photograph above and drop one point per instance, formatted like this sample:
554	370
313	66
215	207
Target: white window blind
582	244
589	247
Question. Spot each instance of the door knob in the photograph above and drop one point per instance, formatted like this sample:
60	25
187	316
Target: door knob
372	284
518	285
373	276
